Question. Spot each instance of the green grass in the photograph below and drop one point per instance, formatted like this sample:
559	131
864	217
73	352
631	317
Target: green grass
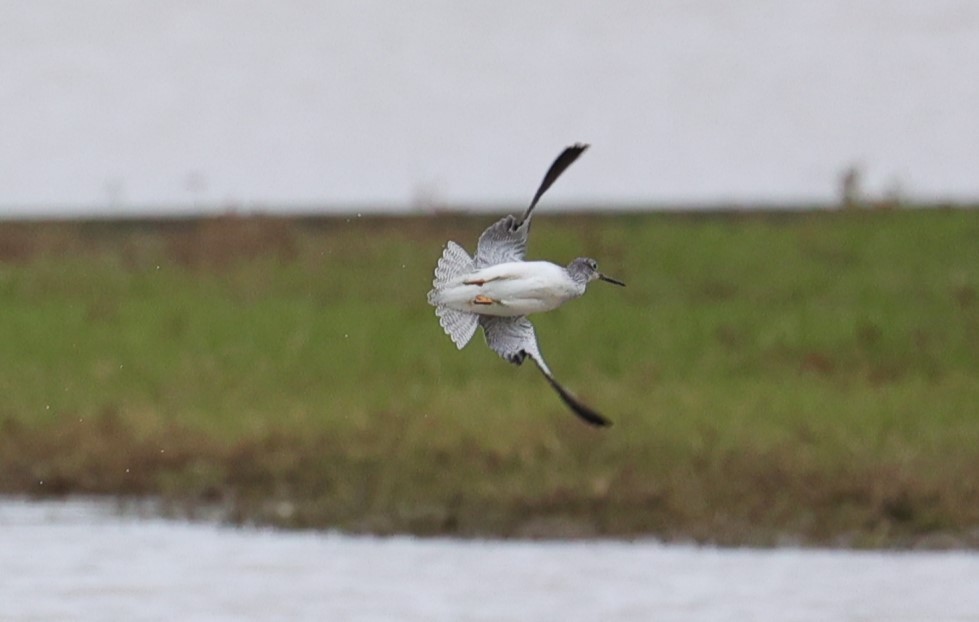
807	375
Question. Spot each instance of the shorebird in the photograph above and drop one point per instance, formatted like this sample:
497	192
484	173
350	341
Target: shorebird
497	289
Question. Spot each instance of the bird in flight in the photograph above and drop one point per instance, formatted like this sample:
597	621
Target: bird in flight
497	289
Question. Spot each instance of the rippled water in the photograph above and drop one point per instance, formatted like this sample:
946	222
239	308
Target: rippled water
83	560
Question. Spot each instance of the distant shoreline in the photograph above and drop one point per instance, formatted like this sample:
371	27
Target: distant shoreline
313	212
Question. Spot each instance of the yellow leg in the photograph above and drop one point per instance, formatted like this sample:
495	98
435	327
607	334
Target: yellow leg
481	282
482	300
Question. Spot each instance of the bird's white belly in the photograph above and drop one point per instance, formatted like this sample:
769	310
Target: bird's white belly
516	288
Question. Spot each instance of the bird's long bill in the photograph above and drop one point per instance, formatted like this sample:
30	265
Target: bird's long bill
609	279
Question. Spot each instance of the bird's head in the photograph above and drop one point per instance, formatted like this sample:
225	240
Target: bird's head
585	270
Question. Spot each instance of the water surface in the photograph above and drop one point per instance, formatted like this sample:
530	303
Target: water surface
82	560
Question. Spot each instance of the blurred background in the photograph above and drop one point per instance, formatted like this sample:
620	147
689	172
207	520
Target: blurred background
163	107
219	219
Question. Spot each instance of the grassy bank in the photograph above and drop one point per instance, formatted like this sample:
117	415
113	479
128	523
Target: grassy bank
804	377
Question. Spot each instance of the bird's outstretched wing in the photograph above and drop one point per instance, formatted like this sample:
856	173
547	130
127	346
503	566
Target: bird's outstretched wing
513	338
506	239
563	161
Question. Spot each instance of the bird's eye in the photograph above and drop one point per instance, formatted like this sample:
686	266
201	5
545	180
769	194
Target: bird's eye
593	264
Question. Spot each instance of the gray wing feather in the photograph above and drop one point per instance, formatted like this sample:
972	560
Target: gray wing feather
506	239
558	166
513	338
503	241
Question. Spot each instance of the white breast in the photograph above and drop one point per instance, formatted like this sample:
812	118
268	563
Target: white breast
516	288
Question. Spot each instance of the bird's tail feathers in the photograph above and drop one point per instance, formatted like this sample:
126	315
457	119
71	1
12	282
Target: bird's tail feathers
454	263
458	325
